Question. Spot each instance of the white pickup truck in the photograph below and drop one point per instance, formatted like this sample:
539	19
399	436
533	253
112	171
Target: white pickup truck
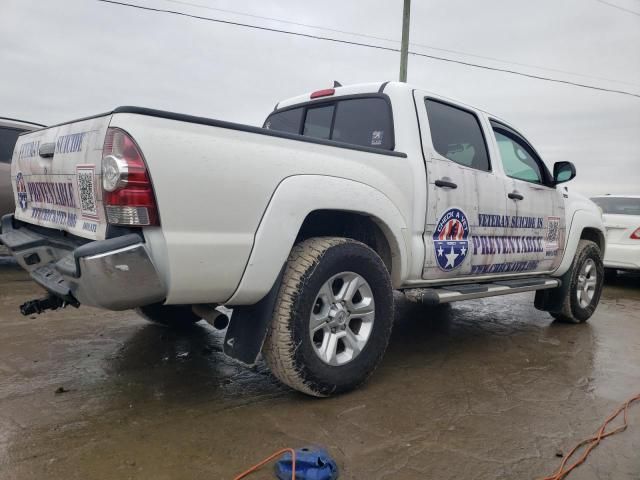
303	227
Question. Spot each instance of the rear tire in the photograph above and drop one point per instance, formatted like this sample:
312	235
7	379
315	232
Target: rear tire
171	316
585	288
332	318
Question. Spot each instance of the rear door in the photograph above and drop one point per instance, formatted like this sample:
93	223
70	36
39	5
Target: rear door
56	177
535	207
466	196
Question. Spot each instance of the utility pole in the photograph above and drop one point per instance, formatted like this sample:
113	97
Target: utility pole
404	49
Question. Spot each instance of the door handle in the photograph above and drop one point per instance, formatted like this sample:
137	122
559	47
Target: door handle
445	183
515	196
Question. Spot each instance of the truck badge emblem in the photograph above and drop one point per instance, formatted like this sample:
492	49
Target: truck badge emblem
451	239
21	188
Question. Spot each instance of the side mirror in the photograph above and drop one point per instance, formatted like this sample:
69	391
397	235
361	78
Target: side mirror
563	172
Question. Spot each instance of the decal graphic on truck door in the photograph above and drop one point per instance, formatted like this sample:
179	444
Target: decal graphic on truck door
451	239
21	188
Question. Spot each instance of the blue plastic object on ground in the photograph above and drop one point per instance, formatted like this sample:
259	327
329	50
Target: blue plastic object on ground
312	463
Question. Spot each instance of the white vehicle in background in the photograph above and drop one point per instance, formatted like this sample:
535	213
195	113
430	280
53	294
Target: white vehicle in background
621	215
304	227
10	129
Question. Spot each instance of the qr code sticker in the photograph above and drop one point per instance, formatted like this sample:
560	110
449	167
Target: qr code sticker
553	233
87	191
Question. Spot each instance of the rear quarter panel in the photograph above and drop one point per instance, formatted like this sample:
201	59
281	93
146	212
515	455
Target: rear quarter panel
214	184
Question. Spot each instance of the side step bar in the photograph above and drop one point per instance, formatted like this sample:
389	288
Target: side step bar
469	291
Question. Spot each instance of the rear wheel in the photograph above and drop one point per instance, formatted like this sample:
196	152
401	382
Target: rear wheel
172	316
332	319
585	286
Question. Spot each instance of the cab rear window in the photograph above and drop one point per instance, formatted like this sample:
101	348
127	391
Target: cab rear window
366	122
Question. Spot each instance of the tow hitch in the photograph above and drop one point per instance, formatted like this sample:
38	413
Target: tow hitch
50	302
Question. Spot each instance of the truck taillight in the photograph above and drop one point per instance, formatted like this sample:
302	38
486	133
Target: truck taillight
636	235
127	190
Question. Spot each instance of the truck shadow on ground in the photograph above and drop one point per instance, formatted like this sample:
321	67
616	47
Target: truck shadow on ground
625	280
188	366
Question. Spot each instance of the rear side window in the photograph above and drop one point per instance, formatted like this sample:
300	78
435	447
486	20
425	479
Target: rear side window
366	122
8	138
456	134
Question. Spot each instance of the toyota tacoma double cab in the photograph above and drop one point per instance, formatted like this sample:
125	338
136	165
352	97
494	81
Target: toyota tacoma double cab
303	227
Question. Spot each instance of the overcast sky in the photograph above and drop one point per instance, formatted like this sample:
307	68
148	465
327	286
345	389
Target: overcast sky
63	59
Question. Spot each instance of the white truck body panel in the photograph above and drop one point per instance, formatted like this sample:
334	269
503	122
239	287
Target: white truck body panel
295	198
232	200
208	247
580	213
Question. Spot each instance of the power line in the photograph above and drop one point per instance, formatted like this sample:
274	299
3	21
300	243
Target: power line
619	7
289	22
386	39
538	77
529	65
366	45
256	27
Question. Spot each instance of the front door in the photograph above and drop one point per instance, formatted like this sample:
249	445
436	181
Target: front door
535	206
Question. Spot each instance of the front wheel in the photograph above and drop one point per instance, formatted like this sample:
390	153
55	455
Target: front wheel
332	319
584	291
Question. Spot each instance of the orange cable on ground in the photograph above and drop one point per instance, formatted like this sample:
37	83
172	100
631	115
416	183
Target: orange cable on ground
259	465
593	441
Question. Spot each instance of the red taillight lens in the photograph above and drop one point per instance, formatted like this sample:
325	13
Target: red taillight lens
636	235
327	92
127	190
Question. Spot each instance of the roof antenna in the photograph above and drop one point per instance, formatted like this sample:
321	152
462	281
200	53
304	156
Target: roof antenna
336	84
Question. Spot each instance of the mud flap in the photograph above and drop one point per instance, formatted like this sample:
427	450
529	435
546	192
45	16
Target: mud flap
248	327
552	300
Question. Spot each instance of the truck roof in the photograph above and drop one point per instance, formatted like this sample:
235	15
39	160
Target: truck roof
340	91
377	87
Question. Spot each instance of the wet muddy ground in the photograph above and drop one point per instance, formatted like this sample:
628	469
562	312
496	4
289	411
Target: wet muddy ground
489	389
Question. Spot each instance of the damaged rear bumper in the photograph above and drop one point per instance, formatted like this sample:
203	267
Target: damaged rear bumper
116	274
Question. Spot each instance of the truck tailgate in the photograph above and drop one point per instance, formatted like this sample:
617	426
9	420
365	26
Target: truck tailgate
56	177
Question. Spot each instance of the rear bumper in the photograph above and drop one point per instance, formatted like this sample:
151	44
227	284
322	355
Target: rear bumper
116	274
623	257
